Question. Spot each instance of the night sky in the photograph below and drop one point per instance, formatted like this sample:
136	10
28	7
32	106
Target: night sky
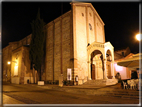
121	20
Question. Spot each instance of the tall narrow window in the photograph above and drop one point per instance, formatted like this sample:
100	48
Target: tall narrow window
90	26
82	14
123	54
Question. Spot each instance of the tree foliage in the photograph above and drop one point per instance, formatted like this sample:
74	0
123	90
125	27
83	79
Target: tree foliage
36	51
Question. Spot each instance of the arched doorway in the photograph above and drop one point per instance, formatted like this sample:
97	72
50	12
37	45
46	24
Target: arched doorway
108	64
97	65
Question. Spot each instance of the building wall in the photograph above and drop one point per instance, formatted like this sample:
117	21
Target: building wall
26	66
100	31
16	67
21	56
81	41
6	56
84	17
58	47
124	71
49	53
91	20
57	50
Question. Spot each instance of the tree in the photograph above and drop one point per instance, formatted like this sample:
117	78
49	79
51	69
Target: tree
36	51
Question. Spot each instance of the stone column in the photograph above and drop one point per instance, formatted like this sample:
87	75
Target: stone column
89	70
112	69
105	72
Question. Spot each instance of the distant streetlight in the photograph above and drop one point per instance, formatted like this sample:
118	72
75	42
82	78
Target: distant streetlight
8	62
139	37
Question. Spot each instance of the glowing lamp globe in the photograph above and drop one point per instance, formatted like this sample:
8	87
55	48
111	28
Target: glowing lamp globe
8	62
139	37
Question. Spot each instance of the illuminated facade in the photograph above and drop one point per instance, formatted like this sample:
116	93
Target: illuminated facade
75	41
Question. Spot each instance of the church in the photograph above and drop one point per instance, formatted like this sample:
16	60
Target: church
75	46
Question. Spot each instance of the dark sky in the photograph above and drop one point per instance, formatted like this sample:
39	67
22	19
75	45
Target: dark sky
121	20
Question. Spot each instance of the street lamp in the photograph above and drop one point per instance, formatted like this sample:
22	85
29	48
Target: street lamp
139	37
8	62
11	61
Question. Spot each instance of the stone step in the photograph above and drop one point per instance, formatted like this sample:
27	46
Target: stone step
101	92
95	82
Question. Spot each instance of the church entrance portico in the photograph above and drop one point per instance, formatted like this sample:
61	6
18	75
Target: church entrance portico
100	61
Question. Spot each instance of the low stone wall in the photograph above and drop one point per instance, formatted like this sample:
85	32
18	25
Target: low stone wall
15	80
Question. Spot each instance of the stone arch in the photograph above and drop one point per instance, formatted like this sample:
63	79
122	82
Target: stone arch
96	65
108	55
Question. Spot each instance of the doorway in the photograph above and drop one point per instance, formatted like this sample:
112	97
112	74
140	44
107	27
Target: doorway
93	71
96	65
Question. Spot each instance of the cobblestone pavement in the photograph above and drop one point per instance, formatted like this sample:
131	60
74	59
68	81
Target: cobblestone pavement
10	100
53	94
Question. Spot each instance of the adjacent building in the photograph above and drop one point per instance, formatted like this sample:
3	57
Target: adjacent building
126	70
17	54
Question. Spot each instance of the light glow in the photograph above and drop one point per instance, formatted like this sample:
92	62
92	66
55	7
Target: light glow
139	37
8	62
16	70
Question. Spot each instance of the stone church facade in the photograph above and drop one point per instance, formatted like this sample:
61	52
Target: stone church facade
75	41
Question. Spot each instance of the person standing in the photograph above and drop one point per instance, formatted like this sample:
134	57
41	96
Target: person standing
76	80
